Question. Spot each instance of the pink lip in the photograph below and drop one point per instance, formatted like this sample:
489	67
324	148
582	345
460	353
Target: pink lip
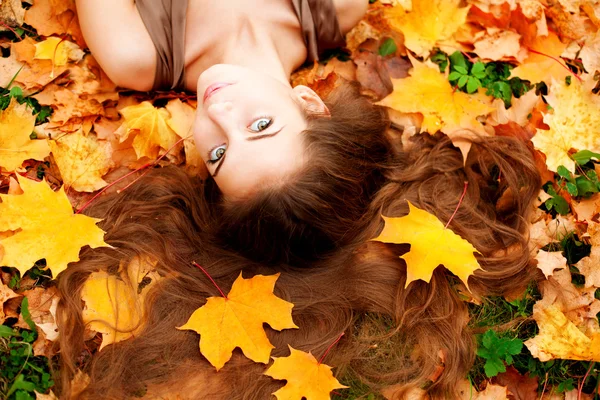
213	88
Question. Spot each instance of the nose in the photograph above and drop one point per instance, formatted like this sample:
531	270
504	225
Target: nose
222	115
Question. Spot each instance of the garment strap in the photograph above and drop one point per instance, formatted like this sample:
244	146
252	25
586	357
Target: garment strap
320	26
165	23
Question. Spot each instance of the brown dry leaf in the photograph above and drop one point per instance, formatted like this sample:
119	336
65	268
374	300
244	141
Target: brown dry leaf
49	396
569	25
6	293
466	391
10	67
79	382
499	45
586	209
565	131
55	17
11	14
559	338
519	112
545	66
42	306
82	160
577	304
538	236
67	104
519	387
590	53
428	24
590	268
16	126
42	346
548	262
181	122
36	74
149	126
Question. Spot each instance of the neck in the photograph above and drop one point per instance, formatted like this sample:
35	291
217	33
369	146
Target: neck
252	47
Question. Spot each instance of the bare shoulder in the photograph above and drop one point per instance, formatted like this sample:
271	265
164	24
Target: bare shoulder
350	12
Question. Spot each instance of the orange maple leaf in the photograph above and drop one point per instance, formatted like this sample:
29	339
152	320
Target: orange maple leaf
225	323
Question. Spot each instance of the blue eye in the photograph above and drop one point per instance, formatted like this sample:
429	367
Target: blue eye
261	124
216	154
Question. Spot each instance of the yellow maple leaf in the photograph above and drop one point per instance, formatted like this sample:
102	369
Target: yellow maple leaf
429	23
16	124
149	124
59	51
543	62
427	91
305	376
573	123
114	304
560	338
225	323
48	228
431	245
82	160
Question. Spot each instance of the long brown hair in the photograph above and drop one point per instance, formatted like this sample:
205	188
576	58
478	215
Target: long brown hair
314	229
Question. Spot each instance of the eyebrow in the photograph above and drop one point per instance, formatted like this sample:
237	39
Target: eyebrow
258	137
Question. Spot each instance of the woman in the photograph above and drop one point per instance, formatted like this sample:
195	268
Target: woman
238	55
310	219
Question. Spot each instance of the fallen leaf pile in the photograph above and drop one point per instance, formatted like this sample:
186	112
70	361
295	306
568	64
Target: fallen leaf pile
523	68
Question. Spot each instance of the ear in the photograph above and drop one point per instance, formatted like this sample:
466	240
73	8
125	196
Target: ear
310	101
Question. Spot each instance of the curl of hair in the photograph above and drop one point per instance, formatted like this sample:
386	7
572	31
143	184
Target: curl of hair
314	229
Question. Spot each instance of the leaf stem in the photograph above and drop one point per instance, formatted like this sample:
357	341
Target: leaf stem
557	60
87	203
580	388
458	205
329	348
209	277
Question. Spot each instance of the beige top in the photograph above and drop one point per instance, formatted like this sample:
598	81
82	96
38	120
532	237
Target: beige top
165	22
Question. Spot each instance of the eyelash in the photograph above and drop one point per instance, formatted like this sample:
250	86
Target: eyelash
263	117
209	161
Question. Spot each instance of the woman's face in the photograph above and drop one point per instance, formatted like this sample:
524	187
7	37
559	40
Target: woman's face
248	127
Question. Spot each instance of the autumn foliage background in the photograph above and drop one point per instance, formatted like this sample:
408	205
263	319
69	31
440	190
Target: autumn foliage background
523	68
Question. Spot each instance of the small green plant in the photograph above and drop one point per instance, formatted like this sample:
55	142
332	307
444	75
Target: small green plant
556	203
21	373
498	352
578	185
469	76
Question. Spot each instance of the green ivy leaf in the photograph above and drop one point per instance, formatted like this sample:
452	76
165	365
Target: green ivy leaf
27	315
584	156
572	189
387	47
473	84
478	70
454	75
463	80
564	173
461	70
